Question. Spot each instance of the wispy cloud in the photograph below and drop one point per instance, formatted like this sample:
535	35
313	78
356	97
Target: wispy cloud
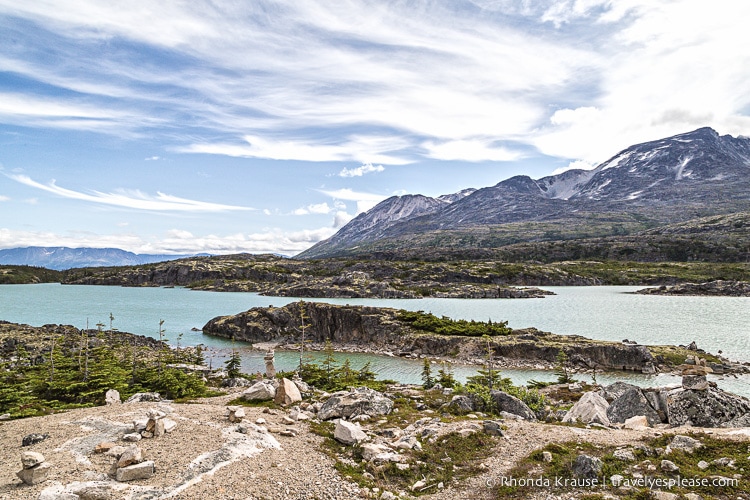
367	168
470	150
4	198
316	208
130	199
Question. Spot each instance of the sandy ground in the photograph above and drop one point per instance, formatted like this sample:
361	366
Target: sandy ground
204	458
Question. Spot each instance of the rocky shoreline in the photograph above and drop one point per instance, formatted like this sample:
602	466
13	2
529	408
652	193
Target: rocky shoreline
717	288
381	331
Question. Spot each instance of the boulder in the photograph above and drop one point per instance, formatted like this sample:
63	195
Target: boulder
709	408
360	401
614	391
112	397
348	433
287	393
143	470
626	455
695	383
236	382
144	397
461	404
631	404
35	475
587	467
372	450
260	391
590	409
511	404
639	422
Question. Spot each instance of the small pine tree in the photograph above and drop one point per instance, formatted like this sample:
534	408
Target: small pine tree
427	380
233	364
347	376
329	362
445	377
365	374
562	368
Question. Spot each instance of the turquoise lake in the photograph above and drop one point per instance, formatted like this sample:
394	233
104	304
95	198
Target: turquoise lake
606	313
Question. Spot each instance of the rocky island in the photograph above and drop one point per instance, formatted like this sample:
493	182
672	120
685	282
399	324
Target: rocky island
716	288
415	334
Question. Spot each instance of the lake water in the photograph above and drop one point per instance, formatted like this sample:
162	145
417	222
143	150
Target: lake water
606	313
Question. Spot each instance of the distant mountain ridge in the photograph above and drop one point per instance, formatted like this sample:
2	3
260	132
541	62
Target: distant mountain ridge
61	258
647	185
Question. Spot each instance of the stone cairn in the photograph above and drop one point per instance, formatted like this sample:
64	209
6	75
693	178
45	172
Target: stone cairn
131	466
35	468
270	368
235	414
694	374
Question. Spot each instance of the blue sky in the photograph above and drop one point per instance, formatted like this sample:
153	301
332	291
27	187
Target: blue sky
224	126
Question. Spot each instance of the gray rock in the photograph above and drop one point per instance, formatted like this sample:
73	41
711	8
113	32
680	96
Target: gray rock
287	393
586	466
505	402
685	443
614	391
35	475
591	408
372	450
493	427
669	466
143	470
462	404
703	465
132	437
663	495
625	455
30	459
301	385
695	383
710	408
260	391
30	439
547	456
144	397
360	401
632	404
348	433
236	382
112	397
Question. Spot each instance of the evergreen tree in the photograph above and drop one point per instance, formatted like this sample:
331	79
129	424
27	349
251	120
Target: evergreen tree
347	375
427	380
365	374
562	368
329	362
234	363
445	377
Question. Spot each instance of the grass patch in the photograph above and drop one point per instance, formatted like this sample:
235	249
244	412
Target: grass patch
694	479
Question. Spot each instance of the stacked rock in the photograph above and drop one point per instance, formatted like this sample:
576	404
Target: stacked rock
156	425
694	374
131	466
235	414
35	468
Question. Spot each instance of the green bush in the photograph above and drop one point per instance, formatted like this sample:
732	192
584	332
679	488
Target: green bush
420	320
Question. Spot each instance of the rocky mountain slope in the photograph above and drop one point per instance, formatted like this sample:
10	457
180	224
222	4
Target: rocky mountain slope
670	180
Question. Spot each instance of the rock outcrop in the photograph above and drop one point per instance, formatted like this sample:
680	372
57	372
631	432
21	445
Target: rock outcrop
383	328
723	288
707	408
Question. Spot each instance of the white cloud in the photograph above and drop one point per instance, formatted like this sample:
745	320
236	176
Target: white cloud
340	218
365	201
152	158
131	199
366	168
4	198
315	208
474	150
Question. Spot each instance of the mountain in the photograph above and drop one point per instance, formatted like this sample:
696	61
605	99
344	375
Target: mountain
60	258
672	180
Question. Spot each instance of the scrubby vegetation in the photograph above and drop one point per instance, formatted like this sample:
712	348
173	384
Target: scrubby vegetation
427	322
14	275
723	459
74	368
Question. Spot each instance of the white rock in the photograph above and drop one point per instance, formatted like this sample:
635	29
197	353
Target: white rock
35	475
169	424
143	470
287	393
348	433
132	437
31	459
371	450
260	391
639	422
112	397
591	408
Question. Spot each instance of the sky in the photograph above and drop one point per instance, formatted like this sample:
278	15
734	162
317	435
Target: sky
264	126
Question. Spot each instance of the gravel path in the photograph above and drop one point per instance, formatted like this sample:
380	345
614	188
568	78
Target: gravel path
204	458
